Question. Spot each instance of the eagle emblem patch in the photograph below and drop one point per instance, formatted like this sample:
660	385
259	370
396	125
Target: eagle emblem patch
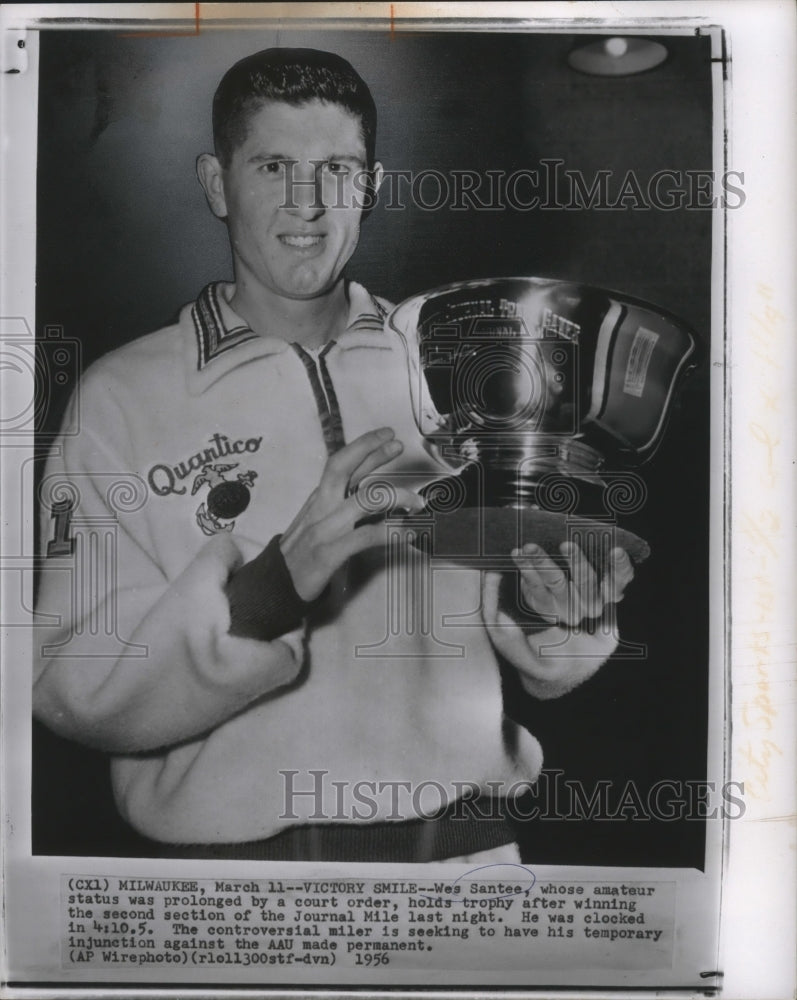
226	499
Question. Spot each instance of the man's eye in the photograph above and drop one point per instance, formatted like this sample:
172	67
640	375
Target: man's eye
337	168
272	167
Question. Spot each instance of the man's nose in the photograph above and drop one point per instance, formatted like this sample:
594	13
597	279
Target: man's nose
305	194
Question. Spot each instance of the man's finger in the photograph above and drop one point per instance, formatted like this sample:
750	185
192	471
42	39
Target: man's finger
584	579
551	575
565	602
346	515
389	450
344	547
341	465
384	498
536	593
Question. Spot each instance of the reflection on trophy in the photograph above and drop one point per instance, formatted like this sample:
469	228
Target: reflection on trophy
540	396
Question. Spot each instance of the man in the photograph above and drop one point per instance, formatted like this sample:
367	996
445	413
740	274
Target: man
242	683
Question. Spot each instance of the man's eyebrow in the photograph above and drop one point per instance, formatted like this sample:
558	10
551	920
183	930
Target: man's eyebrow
350	157
265	157
337	157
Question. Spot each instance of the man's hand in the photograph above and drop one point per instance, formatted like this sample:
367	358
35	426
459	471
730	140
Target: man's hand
571	598
324	534
555	660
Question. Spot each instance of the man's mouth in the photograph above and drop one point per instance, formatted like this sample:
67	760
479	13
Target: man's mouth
301	242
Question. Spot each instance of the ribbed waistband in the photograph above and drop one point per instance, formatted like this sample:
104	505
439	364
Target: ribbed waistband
464	828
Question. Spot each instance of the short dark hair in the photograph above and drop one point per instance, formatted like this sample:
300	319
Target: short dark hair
292	76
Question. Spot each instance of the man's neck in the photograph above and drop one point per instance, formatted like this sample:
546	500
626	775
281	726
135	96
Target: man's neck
309	322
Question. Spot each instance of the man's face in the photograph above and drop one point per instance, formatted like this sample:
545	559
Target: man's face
289	196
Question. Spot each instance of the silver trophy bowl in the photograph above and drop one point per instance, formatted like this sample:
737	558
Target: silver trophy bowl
541	397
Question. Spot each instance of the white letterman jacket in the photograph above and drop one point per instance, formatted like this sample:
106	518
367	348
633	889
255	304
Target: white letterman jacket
136	656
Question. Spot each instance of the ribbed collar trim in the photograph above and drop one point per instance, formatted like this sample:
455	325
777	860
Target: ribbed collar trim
217	340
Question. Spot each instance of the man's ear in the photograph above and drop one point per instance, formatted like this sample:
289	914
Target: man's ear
379	176
375	177
209	172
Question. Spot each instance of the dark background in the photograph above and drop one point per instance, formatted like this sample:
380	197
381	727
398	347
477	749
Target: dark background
125	239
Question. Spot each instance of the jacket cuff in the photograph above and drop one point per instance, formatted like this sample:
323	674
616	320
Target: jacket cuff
263	600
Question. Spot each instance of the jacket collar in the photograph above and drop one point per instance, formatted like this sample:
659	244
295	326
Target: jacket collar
216	340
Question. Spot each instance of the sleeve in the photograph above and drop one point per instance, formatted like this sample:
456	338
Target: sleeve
263	600
553	662
550	660
126	659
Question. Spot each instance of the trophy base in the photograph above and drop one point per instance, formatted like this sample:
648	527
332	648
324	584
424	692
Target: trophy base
485	536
